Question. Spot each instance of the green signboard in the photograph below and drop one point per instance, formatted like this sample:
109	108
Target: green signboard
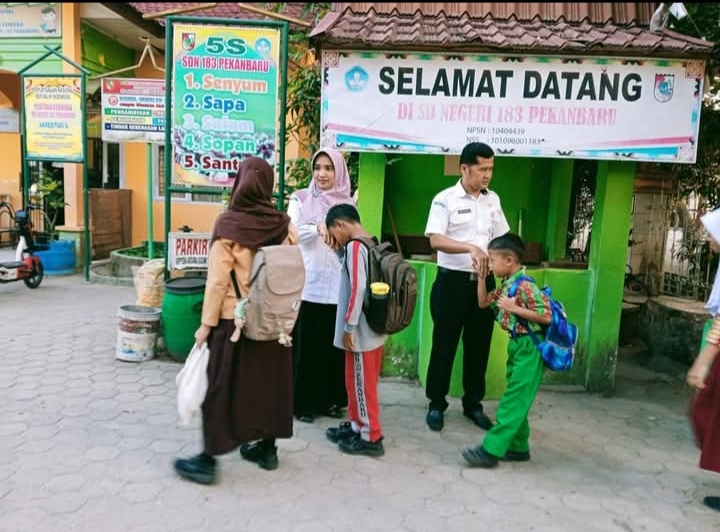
224	102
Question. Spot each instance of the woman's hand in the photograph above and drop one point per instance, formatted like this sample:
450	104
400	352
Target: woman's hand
201	335
326	237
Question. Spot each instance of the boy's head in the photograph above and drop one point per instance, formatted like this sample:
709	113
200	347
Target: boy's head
342	221
506	254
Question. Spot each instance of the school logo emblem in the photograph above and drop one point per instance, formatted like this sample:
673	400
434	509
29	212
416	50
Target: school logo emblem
263	46
356	79
188	41
664	86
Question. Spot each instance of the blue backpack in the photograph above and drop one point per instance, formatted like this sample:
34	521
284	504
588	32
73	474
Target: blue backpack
558	347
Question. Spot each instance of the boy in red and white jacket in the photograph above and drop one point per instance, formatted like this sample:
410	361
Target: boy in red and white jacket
363	347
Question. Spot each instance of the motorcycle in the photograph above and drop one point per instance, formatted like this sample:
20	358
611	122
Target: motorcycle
26	267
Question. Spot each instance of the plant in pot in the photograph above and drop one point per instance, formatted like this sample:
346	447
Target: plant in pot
57	255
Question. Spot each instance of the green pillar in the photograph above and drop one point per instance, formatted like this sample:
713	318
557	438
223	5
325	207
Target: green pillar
608	252
559	208
371	191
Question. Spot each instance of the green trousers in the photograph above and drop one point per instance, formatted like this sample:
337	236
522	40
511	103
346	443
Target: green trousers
525	370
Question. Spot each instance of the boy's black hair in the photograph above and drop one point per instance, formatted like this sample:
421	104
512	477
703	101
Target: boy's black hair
344	212
472	151
509	243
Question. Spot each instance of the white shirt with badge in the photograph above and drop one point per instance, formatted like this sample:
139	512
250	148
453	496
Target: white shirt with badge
462	217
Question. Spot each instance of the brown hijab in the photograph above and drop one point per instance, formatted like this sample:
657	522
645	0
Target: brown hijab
251	220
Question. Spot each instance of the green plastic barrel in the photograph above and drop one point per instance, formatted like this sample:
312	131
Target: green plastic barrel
181	309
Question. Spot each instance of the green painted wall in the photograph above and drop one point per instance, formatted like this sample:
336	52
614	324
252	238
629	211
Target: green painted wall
522	184
101	54
372	192
569	286
608	253
16	54
560	193
540	189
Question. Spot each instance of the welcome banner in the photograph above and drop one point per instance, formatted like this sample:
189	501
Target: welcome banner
597	108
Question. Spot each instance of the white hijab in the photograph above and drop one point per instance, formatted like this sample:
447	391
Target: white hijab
711	221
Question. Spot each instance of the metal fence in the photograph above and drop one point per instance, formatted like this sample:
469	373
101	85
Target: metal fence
689	265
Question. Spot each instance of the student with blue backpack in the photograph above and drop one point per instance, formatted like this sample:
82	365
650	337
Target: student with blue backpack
539	336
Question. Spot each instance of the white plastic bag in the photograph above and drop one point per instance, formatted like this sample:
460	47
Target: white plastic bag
192	383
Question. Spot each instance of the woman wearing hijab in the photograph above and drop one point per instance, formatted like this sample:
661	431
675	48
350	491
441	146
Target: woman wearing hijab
319	366
249	395
705	375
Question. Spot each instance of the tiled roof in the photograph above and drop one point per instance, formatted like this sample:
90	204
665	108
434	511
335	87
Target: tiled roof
221	10
420	32
594	12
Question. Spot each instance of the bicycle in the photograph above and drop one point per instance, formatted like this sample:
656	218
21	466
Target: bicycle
634	284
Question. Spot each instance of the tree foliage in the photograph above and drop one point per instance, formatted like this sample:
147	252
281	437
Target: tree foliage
701	179
699	183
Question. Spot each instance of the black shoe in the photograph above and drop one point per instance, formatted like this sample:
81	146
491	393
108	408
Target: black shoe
264	455
516	456
712	502
343	431
479	457
359	446
479	417
200	468
435	419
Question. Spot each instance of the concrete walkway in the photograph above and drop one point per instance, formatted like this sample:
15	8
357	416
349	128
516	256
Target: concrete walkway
86	444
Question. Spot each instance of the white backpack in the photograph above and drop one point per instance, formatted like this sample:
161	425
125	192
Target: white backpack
277	280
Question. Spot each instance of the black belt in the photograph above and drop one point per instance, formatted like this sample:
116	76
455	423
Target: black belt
470	276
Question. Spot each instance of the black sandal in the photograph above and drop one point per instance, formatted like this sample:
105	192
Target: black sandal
305	417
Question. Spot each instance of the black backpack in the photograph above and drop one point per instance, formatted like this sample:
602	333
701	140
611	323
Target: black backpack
393	313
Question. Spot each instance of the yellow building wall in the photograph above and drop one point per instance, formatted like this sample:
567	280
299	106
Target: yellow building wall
10	169
10	148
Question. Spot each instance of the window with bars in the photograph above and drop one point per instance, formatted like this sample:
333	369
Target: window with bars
36	169
159	178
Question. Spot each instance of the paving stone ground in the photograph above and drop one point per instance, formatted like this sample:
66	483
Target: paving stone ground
86	444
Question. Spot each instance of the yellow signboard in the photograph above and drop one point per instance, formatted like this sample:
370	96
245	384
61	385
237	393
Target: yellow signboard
53	118
30	20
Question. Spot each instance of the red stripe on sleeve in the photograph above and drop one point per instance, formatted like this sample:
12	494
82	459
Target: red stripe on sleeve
355	258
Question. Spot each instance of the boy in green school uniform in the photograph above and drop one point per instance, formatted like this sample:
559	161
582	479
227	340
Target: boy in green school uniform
509	439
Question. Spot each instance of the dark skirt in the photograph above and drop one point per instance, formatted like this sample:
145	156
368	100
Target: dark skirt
319	365
705	416
249	394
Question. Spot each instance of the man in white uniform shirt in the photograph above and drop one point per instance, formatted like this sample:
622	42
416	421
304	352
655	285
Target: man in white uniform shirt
462	221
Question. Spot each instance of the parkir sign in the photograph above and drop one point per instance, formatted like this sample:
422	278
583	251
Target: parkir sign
188	251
